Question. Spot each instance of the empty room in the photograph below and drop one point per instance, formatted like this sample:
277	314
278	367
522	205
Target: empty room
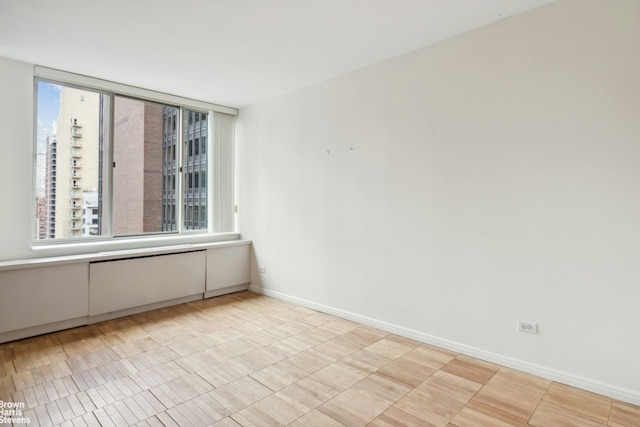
331	213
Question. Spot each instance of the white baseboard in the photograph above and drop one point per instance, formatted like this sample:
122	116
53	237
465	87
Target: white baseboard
89	320
142	308
42	329
223	291
615	392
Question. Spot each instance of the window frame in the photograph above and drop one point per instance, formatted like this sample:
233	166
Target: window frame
112	90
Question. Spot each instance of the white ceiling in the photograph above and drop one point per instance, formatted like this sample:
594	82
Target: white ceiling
232	52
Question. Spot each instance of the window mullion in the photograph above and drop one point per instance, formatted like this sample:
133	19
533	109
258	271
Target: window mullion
107	206
180	173
211	172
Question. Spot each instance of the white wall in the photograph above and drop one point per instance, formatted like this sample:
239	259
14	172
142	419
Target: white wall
16	159
488	178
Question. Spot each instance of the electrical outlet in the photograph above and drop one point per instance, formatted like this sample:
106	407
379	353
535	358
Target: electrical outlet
262	269
529	327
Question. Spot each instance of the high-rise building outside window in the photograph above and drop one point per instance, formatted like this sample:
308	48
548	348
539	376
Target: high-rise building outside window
195	165
70	139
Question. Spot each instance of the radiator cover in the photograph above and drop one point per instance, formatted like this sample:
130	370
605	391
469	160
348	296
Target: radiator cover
120	284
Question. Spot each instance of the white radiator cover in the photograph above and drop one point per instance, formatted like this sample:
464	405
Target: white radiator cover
117	285
44	295
228	267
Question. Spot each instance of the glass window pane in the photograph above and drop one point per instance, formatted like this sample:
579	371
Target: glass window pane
195	167
144	138
70	147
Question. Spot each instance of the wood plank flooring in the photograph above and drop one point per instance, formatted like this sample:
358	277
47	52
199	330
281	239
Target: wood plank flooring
246	359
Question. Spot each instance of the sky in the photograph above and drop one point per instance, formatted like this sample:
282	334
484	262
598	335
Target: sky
48	106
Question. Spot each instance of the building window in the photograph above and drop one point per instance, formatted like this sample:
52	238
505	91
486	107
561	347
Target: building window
122	170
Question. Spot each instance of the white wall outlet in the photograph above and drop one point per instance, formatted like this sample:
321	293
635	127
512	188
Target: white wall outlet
262	269
529	327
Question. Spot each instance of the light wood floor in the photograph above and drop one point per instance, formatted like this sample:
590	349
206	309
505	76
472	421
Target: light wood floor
246	359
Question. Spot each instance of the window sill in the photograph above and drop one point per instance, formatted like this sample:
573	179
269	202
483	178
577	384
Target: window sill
113	249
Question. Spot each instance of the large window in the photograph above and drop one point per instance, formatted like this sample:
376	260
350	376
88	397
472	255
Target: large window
113	164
